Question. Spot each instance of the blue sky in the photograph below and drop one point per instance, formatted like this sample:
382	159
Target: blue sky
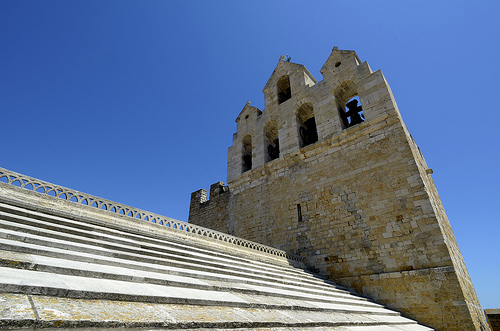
135	101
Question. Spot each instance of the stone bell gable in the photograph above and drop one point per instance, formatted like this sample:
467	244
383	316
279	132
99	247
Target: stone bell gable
348	77
300	111
329	171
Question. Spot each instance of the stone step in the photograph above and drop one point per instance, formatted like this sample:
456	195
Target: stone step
155	251
149	251
61	225
137	230
57	258
75	268
67	246
37	311
111	232
59	285
23	238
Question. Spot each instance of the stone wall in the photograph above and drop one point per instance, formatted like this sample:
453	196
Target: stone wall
214	209
359	204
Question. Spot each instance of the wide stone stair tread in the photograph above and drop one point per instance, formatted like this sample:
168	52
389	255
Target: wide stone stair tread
44	283
64	270
306	279
104	270
70	267
55	311
115	235
138	243
101	228
12	246
41	241
99	247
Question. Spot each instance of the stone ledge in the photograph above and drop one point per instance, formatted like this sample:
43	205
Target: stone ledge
46	312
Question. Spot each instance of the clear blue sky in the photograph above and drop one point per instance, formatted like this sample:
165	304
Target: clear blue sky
135	101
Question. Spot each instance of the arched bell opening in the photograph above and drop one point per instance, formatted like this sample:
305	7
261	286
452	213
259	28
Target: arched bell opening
271	141
246	152
354	111
283	89
349	104
306	123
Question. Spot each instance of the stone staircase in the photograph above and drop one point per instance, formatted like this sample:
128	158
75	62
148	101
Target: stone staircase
61	268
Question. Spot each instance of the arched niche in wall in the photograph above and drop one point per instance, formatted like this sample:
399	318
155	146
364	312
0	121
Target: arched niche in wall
246	153
283	89
349	104
306	123
271	141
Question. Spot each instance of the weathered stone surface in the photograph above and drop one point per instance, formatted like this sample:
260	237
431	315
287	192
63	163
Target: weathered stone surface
359	204
61	268
16	307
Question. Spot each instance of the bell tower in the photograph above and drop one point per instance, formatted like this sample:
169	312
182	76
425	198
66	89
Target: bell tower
329	171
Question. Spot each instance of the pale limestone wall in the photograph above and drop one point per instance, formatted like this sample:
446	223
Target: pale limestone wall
214	209
371	218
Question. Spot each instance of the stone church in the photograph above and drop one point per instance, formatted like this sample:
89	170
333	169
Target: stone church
330	221
329	171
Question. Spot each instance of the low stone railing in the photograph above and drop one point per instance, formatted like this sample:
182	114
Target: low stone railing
56	191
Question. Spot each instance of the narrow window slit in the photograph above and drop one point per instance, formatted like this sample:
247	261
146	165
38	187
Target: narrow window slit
299	212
